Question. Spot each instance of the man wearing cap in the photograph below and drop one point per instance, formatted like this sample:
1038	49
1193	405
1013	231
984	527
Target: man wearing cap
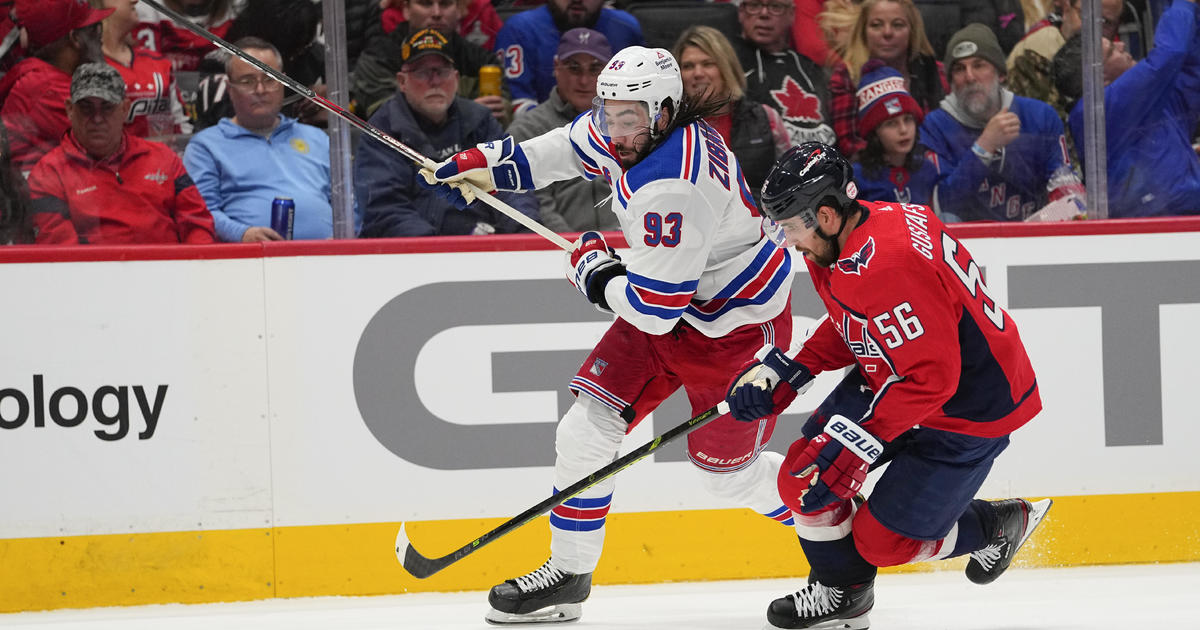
374	78
426	115
62	34
103	185
243	163
1003	156
571	205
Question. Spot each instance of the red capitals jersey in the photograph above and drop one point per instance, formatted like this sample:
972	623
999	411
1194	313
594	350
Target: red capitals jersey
907	303
154	106
158	32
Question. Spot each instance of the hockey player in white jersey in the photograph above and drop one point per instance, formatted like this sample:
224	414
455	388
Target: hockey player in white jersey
700	290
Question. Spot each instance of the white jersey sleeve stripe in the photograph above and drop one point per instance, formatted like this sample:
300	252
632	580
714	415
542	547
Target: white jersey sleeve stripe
659	299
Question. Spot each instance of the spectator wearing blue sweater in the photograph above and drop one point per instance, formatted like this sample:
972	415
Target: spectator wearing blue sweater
1151	109
529	40
243	163
1003	157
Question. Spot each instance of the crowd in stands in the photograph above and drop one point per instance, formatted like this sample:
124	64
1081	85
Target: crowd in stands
122	126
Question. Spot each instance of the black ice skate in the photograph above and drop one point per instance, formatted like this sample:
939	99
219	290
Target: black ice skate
1016	520
824	607
548	594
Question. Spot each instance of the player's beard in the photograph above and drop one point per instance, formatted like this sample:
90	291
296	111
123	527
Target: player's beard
824	255
638	154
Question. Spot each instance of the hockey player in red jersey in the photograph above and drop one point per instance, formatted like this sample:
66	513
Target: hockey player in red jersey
941	379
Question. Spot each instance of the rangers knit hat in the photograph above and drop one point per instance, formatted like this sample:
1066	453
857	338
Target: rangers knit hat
586	41
99	80
47	21
974	40
426	41
882	95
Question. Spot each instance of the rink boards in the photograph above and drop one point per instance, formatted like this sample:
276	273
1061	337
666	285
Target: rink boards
241	421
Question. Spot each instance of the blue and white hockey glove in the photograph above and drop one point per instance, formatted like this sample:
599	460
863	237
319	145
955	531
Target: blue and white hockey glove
829	468
453	193
495	165
756	391
591	263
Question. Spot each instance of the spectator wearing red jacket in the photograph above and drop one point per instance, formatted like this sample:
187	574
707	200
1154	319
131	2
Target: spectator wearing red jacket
103	185
61	35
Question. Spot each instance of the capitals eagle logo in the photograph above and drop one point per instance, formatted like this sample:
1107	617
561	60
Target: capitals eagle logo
856	262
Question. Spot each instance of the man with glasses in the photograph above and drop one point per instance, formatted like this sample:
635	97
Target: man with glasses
374	78
575	205
243	163
426	115
780	77
106	186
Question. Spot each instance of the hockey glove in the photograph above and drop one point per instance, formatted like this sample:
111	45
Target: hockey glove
496	165
591	263
829	468
456	194
756	391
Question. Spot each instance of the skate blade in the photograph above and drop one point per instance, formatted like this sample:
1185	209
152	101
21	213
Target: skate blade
559	613
1037	512
861	622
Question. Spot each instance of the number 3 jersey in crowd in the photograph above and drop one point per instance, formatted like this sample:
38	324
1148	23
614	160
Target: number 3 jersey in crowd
907	303
697	249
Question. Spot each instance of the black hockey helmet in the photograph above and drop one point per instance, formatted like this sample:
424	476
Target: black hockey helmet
808	176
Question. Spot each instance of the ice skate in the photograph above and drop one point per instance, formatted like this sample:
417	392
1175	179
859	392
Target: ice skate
1017	518
547	595
823	608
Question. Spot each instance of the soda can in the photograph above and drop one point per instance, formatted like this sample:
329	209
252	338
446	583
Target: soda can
283	216
489	80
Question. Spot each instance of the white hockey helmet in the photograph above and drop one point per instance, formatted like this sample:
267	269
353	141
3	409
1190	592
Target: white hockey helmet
636	73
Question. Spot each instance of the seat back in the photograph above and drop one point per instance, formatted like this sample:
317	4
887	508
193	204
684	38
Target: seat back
664	20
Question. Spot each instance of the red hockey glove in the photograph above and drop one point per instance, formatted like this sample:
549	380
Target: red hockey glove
756	391
591	263
829	468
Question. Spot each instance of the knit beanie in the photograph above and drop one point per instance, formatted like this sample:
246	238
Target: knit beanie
881	95
974	40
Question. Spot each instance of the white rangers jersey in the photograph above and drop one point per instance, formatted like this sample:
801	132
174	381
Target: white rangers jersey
697	248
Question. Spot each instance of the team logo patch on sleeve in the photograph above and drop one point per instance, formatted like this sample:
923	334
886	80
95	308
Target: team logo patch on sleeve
598	367
857	261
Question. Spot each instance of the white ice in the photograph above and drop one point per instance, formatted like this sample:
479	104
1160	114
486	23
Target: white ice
1137	597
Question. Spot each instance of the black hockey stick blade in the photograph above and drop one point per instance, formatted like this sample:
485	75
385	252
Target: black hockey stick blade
422	567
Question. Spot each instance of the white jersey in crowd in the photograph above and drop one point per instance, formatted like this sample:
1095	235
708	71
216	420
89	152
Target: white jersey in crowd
697	248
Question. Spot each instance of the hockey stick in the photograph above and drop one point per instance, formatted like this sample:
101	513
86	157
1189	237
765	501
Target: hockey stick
421	567
358	123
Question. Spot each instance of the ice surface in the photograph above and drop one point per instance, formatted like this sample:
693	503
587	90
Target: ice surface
1136	597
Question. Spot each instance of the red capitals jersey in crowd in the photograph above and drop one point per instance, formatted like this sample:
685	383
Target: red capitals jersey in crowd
140	195
158	32
907	302
154	106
